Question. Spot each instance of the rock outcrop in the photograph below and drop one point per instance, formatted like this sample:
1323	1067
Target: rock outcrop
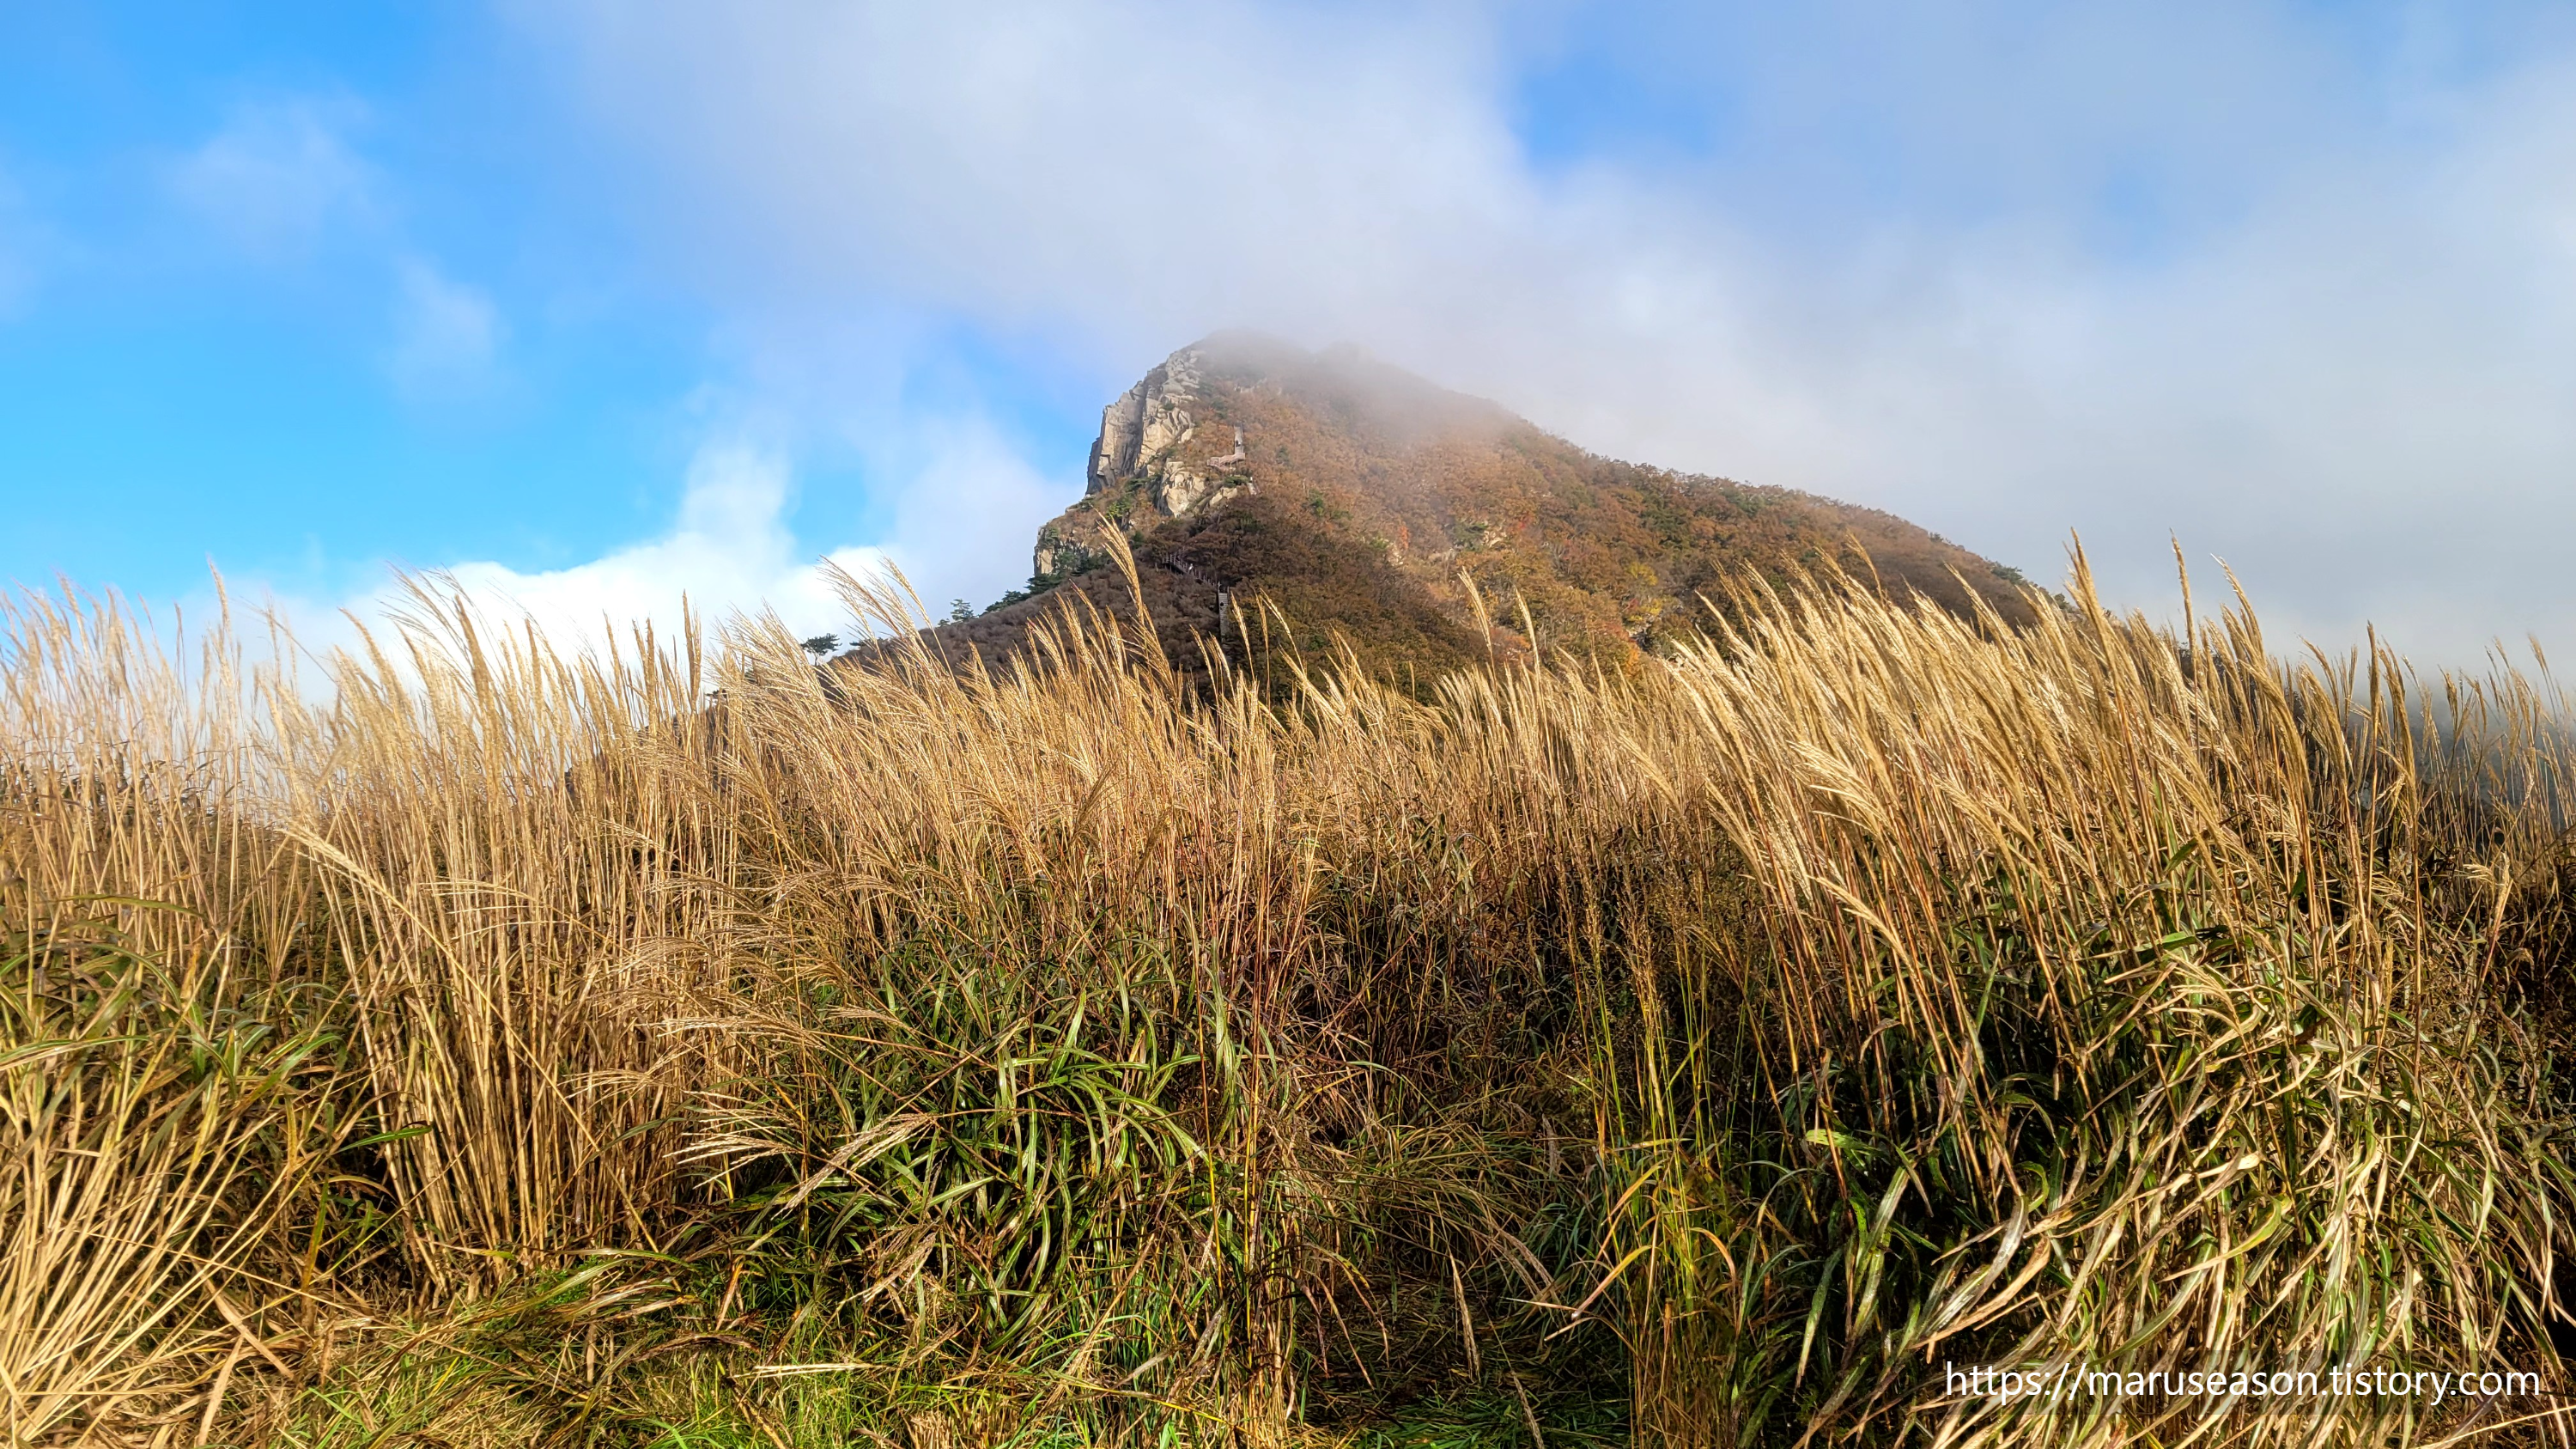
1147	468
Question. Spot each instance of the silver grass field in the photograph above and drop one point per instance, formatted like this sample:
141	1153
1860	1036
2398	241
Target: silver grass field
462	1041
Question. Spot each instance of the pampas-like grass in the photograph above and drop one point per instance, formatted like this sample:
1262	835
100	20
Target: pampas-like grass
530	1043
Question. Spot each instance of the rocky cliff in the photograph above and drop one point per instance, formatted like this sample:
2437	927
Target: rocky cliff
1144	470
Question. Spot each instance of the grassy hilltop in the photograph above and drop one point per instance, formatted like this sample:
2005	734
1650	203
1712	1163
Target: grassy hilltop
521	1051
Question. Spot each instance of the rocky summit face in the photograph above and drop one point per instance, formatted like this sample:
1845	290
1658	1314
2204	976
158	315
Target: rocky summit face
1142	463
1304	498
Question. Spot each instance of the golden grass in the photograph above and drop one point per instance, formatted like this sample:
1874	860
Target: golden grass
688	1045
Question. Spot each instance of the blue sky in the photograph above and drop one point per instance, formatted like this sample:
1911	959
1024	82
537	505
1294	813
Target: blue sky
597	303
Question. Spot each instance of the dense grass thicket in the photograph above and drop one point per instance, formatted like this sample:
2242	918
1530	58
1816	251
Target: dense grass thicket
694	1047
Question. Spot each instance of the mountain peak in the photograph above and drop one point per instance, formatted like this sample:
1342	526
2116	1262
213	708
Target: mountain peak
1361	500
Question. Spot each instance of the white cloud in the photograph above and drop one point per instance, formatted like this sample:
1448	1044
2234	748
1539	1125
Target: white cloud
278	176
447	335
967	513
2339	349
729	551
961	527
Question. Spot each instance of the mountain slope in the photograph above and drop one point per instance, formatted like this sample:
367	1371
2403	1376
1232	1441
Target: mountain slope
1354	496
